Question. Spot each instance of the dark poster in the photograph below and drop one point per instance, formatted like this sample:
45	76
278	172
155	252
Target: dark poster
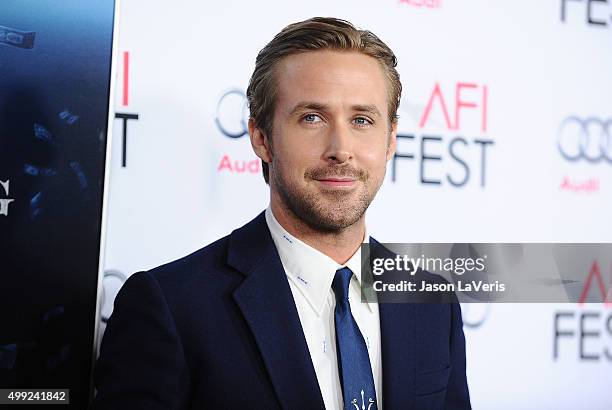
55	72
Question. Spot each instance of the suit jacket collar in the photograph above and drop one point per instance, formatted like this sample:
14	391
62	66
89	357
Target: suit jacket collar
249	245
267	304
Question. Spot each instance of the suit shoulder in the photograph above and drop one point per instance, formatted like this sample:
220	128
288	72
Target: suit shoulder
204	261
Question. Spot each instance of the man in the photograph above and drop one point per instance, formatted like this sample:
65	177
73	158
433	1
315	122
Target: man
270	317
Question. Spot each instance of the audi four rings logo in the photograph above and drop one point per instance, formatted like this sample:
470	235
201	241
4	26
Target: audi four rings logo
108	275
589	139
474	315
233	113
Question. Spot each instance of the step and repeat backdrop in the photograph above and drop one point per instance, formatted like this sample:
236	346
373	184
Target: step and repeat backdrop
505	135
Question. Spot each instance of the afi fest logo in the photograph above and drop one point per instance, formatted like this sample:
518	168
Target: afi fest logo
586	332
597	13
4	202
585	140
124	116
449	155
594	278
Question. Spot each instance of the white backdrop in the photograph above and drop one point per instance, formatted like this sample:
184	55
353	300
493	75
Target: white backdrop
507	74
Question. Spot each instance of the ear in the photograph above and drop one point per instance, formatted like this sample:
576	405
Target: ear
259	142
392	143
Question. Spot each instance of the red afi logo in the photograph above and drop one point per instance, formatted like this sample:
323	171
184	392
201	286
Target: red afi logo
595	272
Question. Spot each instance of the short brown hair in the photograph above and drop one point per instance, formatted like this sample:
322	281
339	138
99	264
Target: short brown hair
317	33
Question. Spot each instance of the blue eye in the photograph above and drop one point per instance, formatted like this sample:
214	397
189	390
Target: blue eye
312	118
362	121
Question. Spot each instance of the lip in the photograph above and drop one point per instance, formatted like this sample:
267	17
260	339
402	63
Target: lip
338	182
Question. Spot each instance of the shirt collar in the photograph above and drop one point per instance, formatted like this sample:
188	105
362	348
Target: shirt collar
309	269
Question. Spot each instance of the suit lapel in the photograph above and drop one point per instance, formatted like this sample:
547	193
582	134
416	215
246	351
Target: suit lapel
267	304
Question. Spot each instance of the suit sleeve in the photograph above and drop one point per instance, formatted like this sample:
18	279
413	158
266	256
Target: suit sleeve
141	363
457	395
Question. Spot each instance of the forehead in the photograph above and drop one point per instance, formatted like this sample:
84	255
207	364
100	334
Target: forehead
334	78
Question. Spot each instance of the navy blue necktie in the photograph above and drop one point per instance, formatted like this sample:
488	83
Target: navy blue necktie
358	390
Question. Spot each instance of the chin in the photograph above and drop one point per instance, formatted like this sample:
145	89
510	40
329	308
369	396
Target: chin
336	220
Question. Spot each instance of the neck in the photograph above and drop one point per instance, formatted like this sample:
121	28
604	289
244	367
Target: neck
339	245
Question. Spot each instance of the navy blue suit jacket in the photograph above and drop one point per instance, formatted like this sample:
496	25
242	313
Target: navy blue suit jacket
219	329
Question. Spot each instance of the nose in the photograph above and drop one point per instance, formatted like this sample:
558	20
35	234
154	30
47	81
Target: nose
340	147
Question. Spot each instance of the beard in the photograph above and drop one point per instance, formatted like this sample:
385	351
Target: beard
332	211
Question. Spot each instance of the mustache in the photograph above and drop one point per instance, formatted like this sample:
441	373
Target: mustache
337	172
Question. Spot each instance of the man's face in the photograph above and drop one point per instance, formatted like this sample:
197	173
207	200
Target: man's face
331	137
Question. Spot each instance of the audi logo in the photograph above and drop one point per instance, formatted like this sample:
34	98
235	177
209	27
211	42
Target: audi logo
589	139
474	315
232	114
107	305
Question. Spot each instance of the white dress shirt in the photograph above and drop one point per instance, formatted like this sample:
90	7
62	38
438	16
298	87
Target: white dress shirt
310	275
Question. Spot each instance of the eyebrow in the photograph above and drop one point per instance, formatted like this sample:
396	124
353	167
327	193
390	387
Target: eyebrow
307	105
310	105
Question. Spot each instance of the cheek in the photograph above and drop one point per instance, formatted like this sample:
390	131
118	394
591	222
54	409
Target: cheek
290	161
375	160
297	154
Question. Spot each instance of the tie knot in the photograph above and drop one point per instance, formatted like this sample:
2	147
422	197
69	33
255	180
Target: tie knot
340	284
